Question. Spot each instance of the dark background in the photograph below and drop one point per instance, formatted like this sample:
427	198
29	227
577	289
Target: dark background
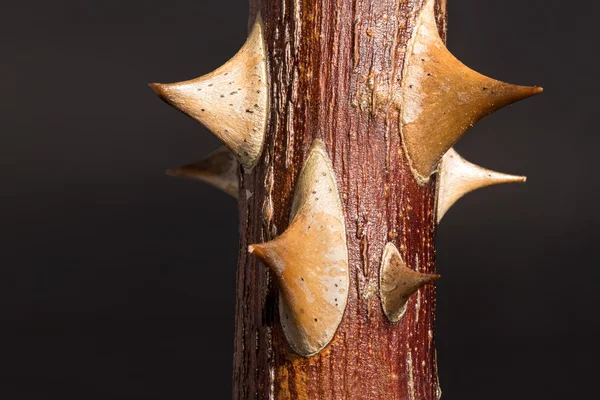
112	287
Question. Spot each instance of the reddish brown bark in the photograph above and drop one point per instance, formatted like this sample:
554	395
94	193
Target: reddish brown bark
326	58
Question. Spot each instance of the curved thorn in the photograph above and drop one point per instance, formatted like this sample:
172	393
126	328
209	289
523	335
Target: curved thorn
457	177
219	169
442	98
398	283
310	259
232	102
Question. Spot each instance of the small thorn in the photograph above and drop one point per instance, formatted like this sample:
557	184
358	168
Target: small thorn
219	169
310	259
457	177
210	101
398	283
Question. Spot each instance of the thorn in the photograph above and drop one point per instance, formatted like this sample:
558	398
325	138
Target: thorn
442	98
398	283
211	101
457	177
310	259
219	169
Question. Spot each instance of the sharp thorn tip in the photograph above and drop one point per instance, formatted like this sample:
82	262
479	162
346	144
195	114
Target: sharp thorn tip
155	87
172	172
258	251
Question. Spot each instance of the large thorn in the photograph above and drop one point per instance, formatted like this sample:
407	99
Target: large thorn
398	283
231	101
458	177
310	259
442	98
219	169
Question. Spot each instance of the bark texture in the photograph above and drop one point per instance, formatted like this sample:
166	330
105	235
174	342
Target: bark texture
327	63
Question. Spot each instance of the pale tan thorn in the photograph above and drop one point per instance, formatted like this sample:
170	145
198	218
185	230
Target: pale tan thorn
310	259
457	177
232	101
398	282
442	98
219	169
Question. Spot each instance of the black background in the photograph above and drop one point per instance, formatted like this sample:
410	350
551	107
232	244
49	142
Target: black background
117	282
